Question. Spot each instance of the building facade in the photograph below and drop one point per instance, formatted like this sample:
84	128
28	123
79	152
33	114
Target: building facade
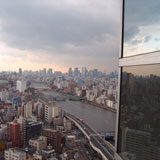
21	85
138	119
53	138
31	130
15	154
13	133
39	143
51	111
27	109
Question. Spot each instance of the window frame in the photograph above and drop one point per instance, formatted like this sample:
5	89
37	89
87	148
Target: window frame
134	60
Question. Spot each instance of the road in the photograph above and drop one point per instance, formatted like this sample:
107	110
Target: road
83	151
105	147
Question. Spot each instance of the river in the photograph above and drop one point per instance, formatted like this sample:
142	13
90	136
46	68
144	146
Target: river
103	121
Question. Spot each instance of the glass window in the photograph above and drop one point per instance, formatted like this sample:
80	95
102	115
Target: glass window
139	131
141	27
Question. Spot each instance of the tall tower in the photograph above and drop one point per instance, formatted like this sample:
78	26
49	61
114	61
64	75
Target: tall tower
20	72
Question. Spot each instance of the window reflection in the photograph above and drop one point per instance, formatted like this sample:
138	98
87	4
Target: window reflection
141	27
140	113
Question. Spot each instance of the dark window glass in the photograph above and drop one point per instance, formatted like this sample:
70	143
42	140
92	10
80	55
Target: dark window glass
141	27
139	131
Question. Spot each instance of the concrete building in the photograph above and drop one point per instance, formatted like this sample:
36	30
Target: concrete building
31	129
15	154
39	143
53	138
20	72
13	133
48	113
67	124
51	111
84	71
4	94
70	141
21	85
55	111
27	109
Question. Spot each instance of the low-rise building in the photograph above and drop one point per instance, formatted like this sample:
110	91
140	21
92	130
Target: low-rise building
39	143
15	154
70	141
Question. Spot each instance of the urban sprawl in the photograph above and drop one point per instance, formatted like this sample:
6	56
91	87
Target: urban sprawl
34	127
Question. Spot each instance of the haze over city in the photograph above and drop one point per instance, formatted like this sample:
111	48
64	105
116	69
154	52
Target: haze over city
59	34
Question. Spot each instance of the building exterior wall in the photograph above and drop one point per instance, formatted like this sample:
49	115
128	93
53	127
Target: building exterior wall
21	85
13	133
39	143
53	138
14	154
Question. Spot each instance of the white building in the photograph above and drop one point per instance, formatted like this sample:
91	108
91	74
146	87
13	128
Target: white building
67	124
27	109
39	143
4	94
55	111
21	85
14	154
51	111
110	103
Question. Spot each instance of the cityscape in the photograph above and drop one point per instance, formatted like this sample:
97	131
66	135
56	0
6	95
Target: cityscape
35	123
79	80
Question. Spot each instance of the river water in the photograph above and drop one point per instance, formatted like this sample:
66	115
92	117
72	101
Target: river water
103	121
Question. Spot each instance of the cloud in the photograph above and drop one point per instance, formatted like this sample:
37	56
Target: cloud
147	38
130	32
62	28
135	42
138	15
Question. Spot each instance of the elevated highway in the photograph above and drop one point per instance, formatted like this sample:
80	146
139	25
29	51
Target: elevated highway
104	148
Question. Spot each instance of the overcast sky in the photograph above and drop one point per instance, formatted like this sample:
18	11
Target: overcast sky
58	34
142	31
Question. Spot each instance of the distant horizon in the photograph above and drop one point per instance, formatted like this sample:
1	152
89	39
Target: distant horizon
67	33
41	69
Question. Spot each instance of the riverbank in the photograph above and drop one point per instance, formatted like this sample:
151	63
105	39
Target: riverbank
89	102
100	106
102	120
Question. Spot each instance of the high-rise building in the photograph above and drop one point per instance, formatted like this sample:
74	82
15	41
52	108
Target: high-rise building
30	130
44	71
53	138
51	111
27	109
70	72
76	71
84	71
138	119
13	133
49	71
21	85
20	72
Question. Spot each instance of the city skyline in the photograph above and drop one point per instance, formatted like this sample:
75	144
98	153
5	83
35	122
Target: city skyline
63	72
47	34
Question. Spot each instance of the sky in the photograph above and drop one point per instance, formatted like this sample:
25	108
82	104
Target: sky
141	29
58	34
